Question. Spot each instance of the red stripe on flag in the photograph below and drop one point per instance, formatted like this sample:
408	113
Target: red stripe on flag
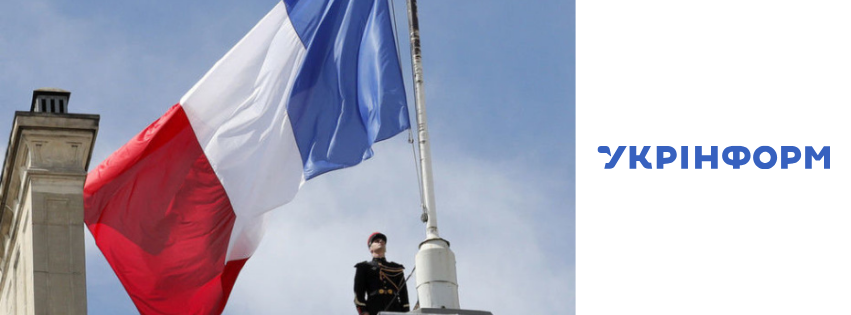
163	220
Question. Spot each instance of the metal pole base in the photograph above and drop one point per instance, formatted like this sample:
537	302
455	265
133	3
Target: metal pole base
437	284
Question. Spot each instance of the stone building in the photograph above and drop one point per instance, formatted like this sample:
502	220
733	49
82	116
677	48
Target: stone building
42	246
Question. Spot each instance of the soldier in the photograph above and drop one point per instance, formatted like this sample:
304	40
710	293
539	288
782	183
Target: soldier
380	284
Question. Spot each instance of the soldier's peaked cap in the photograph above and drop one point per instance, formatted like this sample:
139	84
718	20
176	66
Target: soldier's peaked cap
374	236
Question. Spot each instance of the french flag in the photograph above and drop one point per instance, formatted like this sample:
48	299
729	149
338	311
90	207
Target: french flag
179	209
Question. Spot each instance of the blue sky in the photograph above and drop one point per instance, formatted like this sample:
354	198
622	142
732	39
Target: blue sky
499	79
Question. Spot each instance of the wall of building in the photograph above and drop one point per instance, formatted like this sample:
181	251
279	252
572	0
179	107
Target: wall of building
42	245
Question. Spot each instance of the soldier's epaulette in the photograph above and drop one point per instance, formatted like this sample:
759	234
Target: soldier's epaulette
363	264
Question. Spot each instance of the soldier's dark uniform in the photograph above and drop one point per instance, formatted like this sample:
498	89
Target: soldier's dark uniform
376	285
380	286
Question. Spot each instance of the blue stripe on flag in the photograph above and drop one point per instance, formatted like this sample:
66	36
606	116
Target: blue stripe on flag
349	91
306	16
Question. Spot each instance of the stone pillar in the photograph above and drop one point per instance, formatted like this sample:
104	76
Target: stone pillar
42	245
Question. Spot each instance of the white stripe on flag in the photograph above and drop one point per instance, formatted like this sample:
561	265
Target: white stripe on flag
238	112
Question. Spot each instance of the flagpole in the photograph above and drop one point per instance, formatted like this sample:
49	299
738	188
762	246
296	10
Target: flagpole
437	284
422	126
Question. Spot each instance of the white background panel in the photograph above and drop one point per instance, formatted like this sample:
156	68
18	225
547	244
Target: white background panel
713	241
